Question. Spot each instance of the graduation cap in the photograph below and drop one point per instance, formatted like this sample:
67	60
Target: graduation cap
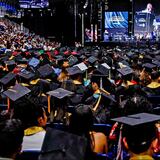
21	60
74	70
137	119
15	93
139	130
156	52
59	93
157	57
59	145
26	74
34	62
157	63
4	58
45	70
82	57
149	67
125	71
82	66
92	59
7	78
130	54
147	58
8	52
108	60
104	69
10	63
72	60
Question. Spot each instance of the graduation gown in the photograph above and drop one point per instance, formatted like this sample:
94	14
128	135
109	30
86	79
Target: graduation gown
76	87
102	113
153	89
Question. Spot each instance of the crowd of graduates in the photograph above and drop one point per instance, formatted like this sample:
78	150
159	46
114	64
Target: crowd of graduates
44	82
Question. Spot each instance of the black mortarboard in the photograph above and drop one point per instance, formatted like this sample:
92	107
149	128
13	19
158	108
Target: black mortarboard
4	58
45	70
82	66
72	60
157	63
73	70
7	78
82	57
130	54
125	71
92	59
157	57
34	62
10	63
16	92
108	60
149	67
58	144
124	62
139	130
104	69
8	52
147	58
137	119
60	93
26	74
21	60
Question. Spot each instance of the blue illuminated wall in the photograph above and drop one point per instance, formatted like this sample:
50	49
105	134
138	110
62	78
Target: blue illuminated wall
116	26
116	19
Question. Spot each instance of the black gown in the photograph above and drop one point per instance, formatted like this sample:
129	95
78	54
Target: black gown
102	113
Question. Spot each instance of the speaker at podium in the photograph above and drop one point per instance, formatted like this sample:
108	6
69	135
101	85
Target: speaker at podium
144	22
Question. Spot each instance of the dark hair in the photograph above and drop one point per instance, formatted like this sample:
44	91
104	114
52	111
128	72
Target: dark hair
139	138
136	104
11	137
81	120
105	82
155	75
81	123
27	112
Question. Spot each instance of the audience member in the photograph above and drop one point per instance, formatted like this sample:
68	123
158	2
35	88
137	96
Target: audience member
81	123
34	120
11	137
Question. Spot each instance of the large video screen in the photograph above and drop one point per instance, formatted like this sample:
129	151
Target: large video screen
33	3
146	19
116	25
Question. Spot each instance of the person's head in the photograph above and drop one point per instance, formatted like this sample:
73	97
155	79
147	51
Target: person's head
140	139
136	104
65	63
155	75
11	137
81	120
149	7
29	113
98	82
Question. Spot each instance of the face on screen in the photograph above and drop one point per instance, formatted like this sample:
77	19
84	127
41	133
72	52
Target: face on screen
149	7
146	18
